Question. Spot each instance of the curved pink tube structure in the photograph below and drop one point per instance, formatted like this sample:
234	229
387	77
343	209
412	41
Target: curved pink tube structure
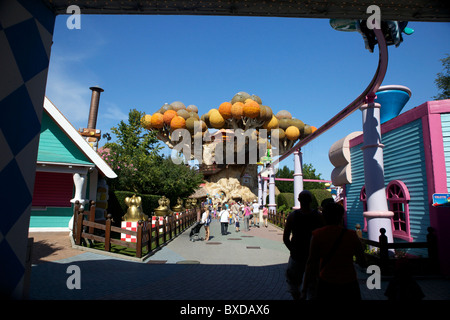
370	90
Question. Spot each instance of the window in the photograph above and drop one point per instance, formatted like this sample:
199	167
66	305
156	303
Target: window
397	195
398	200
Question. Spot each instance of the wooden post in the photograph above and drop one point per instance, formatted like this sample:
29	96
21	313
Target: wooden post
164	230
149	234
79	227
383	240
76	210
139	239
358	230
92	216
170	227
108	233
157	232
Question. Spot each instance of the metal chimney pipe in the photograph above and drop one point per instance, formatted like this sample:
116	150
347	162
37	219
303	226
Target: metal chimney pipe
93	112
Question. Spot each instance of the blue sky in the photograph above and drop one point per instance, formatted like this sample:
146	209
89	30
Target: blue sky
300	65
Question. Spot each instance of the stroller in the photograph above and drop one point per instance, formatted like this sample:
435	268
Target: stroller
195	231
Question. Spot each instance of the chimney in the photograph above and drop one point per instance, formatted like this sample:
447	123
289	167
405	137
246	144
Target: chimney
93	112
91	134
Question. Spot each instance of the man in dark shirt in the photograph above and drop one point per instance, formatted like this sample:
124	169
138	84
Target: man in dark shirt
300	224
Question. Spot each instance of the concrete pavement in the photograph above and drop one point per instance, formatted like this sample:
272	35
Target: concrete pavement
242	266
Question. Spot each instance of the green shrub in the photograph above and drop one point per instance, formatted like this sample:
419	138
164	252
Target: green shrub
286	199
320	196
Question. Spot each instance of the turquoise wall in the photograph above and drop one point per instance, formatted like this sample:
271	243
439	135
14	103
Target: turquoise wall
51	217
404	160
56	146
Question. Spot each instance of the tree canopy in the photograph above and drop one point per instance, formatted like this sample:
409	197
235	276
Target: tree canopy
443	80
135	157
309	172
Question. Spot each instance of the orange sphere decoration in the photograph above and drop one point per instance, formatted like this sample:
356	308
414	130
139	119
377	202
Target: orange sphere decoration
169	115
178	123
146	121
292	133
237	110
251	108
157	120
225	110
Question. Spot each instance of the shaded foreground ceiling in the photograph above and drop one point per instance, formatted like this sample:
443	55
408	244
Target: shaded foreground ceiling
400	10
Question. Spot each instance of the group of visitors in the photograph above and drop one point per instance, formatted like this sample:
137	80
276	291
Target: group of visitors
321	249
321	260
233	213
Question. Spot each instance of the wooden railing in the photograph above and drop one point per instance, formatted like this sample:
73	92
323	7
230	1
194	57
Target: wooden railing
277	218
384	247
382	258
84	227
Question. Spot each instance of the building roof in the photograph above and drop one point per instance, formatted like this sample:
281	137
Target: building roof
82	146
399	10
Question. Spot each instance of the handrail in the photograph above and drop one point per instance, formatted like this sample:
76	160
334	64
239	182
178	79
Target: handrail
352	107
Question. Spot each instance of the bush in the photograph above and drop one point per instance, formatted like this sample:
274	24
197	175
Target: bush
117	206
286	200
320	196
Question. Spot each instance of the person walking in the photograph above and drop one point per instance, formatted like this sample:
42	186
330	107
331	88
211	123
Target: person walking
265	215
247	213
206	220
223	215
331	258
255	210
237	219
299	224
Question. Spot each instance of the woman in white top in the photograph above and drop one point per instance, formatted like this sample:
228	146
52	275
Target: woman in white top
206	220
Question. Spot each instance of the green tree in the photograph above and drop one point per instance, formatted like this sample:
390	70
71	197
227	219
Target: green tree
285	186
309	172
135	157
443	80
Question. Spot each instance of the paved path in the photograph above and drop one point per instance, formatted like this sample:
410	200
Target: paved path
240	266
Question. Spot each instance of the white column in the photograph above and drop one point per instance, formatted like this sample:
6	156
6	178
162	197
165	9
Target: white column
298	177
272	204
260	180
264	191
377	213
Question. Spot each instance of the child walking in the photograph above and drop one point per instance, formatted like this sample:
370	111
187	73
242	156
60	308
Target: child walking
236	221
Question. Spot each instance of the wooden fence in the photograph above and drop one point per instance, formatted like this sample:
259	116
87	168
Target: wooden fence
382	257
84	227
427	264
277	218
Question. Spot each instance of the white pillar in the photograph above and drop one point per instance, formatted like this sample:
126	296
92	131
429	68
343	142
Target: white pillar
264	192
377	213
298	177
272	204
260	180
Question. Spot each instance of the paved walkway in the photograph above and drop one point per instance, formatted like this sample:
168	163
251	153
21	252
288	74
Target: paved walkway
240	266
